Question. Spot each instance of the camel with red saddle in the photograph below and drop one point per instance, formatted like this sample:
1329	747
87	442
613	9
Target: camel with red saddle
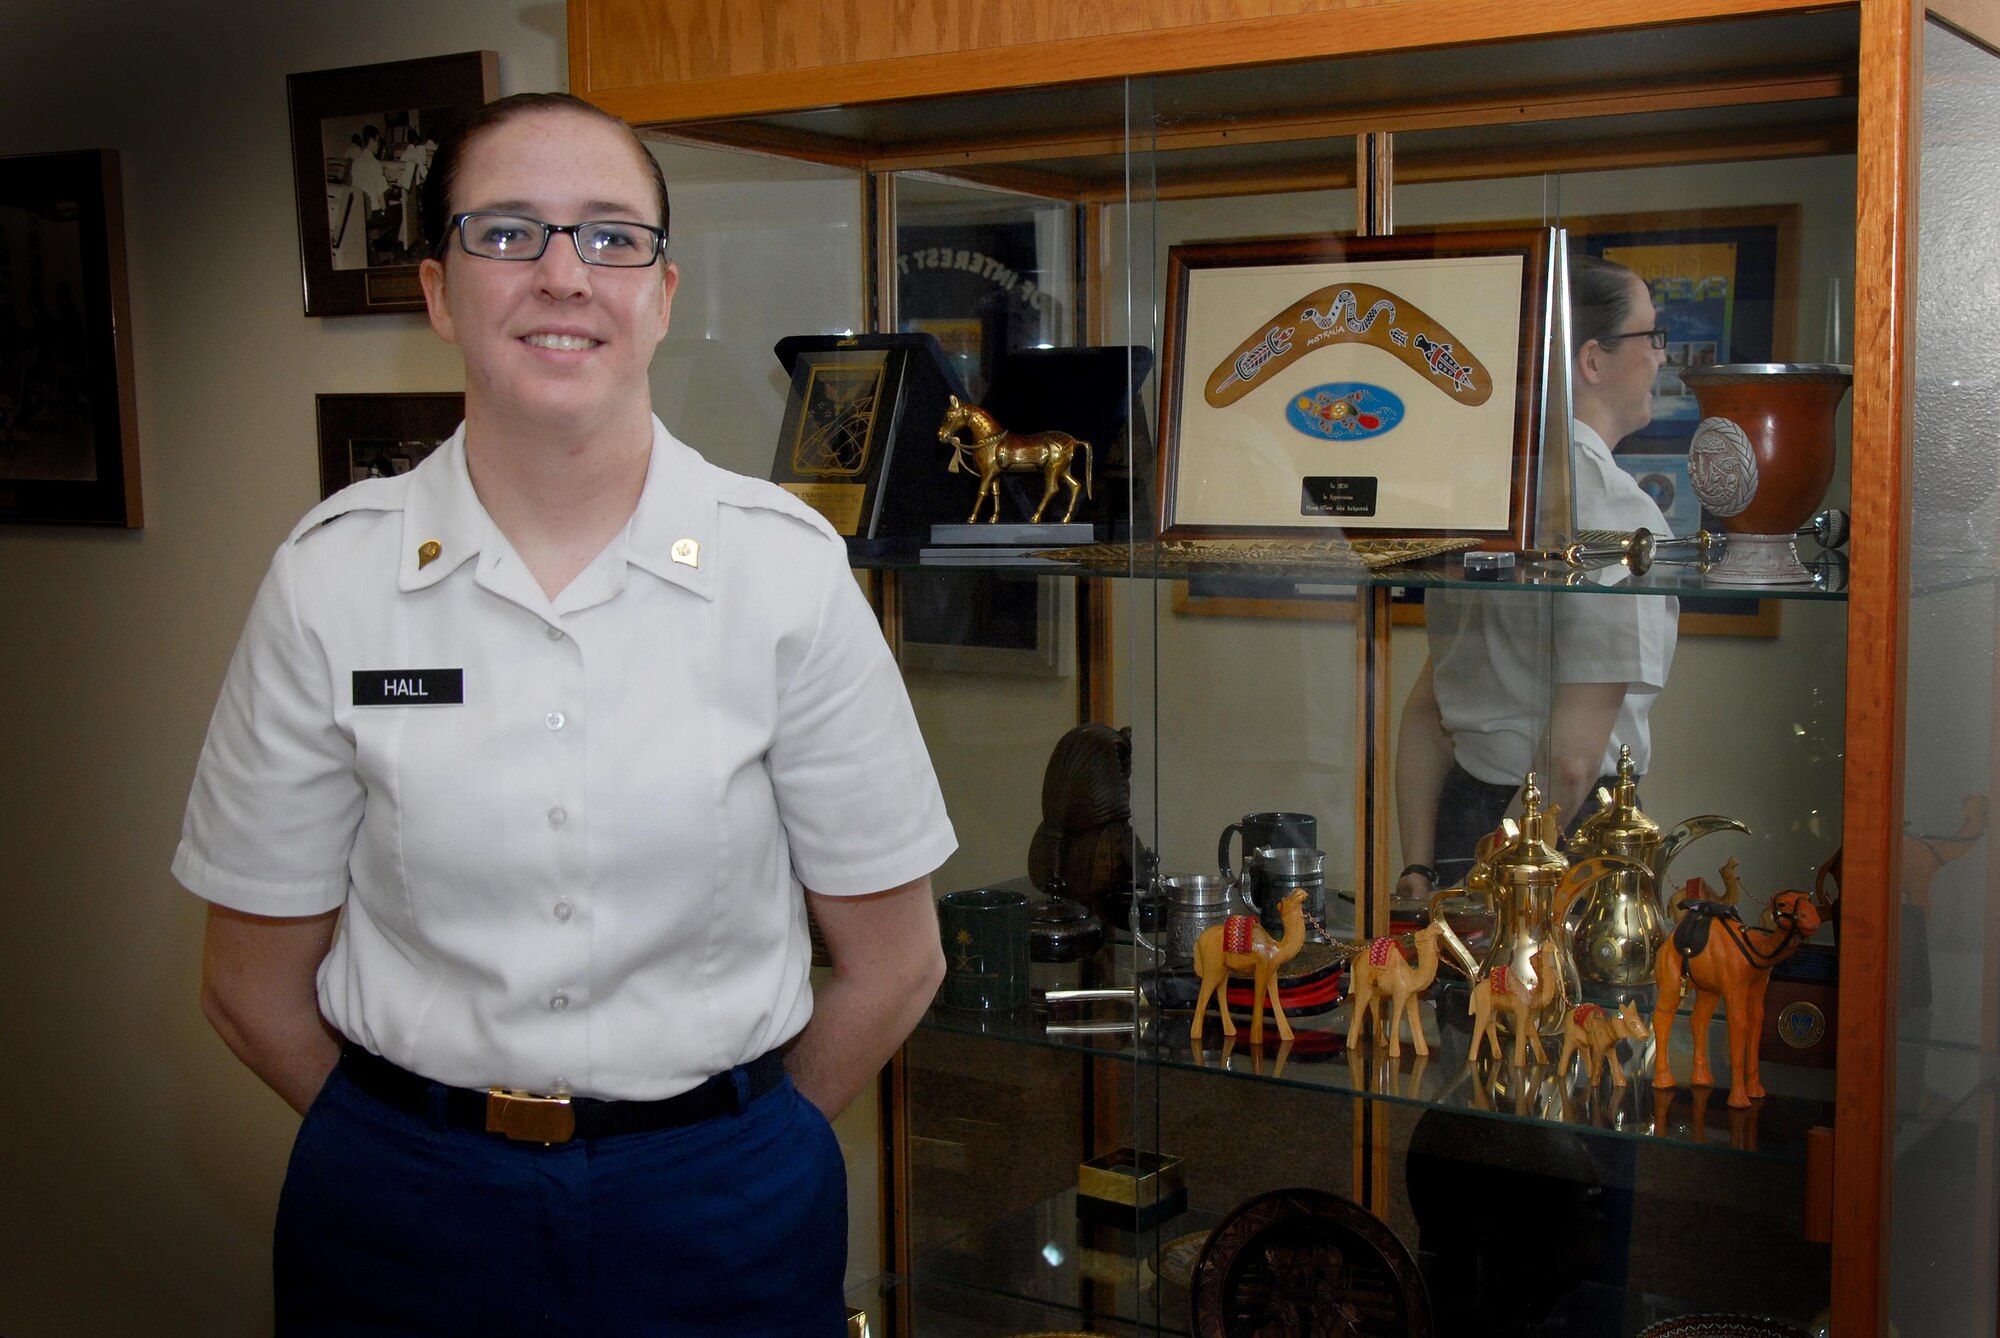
1240	947
1595	1032
1380	967
1521	996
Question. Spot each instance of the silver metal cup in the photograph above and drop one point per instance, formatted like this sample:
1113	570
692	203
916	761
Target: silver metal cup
1194	902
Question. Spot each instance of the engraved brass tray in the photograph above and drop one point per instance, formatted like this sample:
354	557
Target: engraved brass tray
1254	555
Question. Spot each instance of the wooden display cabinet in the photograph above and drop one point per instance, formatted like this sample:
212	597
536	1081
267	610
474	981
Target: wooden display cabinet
1108	130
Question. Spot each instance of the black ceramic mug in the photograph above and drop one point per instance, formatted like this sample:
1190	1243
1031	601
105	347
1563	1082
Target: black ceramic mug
1281	830
985	932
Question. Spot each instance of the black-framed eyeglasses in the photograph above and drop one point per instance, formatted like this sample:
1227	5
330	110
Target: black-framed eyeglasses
1657	336
618	245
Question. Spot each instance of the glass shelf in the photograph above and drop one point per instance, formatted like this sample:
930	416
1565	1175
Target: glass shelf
1773	1128
898	1306
1042	1270
1305	580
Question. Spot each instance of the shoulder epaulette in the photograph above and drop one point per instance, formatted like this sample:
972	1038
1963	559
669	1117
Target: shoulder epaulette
368	495
750	494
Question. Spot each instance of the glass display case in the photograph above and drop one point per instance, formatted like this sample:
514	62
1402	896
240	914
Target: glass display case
1285	654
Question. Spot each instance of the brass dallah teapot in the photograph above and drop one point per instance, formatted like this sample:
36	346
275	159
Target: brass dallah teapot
1611	906
1526	877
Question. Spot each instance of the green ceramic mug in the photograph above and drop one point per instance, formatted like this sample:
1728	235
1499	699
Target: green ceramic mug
985	935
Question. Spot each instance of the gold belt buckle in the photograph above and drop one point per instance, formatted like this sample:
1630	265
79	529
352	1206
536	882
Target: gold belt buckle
526	1117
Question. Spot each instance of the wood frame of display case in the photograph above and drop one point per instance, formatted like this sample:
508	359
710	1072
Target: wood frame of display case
702	60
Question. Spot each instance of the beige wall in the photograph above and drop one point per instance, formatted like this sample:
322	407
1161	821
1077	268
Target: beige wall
139	1161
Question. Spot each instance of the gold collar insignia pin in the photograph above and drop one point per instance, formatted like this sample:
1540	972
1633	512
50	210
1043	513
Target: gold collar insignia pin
687	552
427	553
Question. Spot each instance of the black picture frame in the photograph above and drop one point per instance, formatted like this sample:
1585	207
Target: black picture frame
69	426
363	436
348	273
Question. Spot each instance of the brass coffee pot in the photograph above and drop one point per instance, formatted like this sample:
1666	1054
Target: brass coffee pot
1611	905
1526	876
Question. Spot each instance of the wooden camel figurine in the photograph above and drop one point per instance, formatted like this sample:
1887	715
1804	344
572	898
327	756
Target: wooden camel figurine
1240	947
1726	961
994	451
1503	991
1595	1032
1381	967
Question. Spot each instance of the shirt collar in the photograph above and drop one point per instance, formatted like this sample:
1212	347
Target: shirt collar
441	509
1589	439
671	532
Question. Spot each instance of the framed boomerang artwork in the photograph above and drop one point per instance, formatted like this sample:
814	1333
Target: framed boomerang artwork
1379	387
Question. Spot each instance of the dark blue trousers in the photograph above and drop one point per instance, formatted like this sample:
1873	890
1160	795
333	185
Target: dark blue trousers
390	1225
1468	808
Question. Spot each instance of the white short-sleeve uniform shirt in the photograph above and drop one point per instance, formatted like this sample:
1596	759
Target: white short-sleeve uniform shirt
1494	656
587	871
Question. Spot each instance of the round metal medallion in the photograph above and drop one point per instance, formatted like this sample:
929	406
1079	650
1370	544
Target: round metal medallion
1722	466
1801	1025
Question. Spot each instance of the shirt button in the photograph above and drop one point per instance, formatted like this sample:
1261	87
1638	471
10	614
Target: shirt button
557	817
554	719
553	632
563	911
558	1003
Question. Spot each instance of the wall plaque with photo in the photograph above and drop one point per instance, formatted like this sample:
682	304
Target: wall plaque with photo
362	142
69	429
380	436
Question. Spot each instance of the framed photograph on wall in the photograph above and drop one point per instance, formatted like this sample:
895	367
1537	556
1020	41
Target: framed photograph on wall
972	621
380	436
362	141
69	426
1390	387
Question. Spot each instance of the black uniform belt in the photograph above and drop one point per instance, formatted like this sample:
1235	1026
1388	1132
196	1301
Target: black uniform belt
537	1118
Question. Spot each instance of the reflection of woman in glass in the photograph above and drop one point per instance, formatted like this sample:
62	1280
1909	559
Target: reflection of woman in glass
1661	489
1505	668
1474	720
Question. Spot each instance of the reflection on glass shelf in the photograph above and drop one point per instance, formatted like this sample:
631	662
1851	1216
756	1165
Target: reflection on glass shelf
1774	1127
900	1307
1045	1255
1309	578
1042	1271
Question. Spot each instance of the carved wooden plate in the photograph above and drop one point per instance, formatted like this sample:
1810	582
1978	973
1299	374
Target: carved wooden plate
1305	1262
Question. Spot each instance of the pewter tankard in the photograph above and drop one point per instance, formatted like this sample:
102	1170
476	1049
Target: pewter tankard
1270	872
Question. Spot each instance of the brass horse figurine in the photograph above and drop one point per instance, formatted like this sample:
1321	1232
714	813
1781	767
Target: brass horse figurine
994	451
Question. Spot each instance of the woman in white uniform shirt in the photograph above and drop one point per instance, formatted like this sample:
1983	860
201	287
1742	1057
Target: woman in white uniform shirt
1480	705
522	765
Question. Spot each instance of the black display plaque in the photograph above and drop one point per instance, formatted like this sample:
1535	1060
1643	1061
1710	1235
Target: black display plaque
859	442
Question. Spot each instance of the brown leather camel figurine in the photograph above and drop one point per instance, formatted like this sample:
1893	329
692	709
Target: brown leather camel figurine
1725	960
1504	991
1596	1032
1380	965
1240	947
